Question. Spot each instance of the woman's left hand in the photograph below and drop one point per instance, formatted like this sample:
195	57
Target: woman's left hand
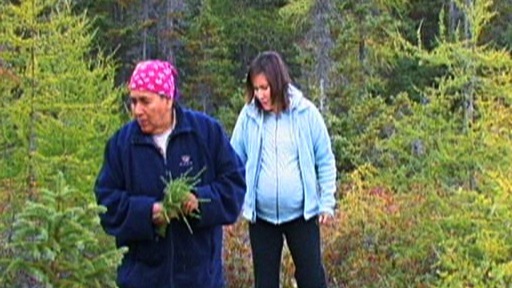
191	204
325	219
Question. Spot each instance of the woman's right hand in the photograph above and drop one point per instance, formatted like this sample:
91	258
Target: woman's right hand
158	214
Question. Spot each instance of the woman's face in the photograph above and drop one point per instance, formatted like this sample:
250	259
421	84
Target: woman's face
152	111
262	91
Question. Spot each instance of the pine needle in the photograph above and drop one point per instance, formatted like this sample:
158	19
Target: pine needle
175	194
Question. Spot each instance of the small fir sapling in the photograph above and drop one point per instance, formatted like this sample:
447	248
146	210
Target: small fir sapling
175	195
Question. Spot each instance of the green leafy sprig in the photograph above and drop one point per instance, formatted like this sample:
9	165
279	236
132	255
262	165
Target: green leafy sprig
175	195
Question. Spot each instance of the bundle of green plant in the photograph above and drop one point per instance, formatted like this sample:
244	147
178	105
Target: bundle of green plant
175	195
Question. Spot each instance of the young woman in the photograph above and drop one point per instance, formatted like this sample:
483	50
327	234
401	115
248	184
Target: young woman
290	174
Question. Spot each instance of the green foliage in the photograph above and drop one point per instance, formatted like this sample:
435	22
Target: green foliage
363	47
253	27
421	239
210	82
381	239
456	133
438	176
499	32
423	15
59	99
114	32
365	61
476	246
355	136
55	242
228	113
57	110
296	12
446	136
429	238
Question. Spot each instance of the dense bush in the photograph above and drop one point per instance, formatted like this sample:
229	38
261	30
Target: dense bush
429	238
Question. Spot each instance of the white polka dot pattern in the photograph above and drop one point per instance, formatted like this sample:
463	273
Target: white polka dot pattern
154	76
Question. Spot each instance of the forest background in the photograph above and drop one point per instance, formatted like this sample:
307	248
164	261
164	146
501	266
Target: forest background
416	95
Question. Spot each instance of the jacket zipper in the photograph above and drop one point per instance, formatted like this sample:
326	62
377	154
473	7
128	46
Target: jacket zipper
277	169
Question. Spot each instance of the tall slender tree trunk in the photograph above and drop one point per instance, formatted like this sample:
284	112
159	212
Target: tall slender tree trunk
320	34
145	18
362	53
453	17
32	179
170	13
468	91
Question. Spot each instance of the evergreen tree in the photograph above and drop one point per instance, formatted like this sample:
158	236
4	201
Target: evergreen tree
58	106
467	106
255	26
364	62
56	245
118	30
499	32
210	79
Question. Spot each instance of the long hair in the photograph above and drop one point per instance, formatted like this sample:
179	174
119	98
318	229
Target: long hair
270	64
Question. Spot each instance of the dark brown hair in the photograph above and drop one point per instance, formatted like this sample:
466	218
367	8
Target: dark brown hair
270	64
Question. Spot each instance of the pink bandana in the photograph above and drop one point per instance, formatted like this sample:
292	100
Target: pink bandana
154	76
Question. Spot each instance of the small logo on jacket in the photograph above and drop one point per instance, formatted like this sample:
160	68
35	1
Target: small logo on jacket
185	161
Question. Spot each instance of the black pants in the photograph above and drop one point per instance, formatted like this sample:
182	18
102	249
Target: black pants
303	239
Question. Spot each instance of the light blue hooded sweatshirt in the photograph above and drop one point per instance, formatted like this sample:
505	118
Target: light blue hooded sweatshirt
316	160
